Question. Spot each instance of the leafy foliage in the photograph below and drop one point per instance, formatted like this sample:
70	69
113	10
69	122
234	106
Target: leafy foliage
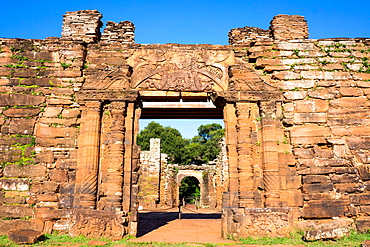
200	149
189	189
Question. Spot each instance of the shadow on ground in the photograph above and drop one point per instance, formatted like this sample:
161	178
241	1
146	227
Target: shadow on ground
150	221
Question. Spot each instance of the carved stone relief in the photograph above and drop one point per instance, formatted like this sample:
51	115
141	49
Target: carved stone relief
185	70
97	224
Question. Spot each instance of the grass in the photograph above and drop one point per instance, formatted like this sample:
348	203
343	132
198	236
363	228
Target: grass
354	240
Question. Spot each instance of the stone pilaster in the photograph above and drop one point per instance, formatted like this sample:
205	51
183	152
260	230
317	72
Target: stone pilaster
247	113
128	154
230	199
114	173
88	157
271	179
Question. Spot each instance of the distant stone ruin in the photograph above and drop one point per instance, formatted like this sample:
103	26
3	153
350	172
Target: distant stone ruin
159	181
296	113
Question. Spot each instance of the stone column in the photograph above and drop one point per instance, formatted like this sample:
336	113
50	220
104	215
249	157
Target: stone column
128	145
114	173
271	179
247	113
230	199
88	157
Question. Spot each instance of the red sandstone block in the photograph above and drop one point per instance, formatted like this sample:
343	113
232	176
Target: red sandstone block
271	68
325	209
296	46
294	95
310	117
20	100
51	111
317	188
261	62
350	102
324	75
55	142
45	187
316	171
359	130
54	91
340	131
348	113
325	93
71	113
293	84
22	126
350	91
323	152
50	213
314	179
361	76
348	188
344	178
8	225
58	175
15	211
356	143
314	105
307	140
47	197
44	131
293	198
22	112
309	131
333	67
303	153
59	121
285	75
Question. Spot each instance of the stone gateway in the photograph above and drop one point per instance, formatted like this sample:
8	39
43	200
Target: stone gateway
296	114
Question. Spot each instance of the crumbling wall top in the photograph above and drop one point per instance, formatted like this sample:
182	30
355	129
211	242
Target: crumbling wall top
82	25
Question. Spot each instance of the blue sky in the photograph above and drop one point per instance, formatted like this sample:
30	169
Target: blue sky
187	22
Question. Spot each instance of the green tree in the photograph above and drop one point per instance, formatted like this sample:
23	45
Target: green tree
208	143
189	189
200	149
172	142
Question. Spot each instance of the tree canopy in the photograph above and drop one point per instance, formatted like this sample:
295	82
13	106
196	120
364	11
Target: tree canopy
200	149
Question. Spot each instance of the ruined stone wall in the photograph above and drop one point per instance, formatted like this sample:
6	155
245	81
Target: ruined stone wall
39	127
150	175
325	119
282	27
159	181
296	117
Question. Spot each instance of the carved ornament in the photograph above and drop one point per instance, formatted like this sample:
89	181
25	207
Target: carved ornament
129	95
97	224
180	70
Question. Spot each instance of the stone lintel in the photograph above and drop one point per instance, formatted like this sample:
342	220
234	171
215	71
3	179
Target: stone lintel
102	95
231	96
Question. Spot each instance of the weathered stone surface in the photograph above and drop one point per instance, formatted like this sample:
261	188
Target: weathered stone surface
309	106
14	170
24	236
321	234
18	184
52	111
22	126
45	131
11	225
20	100
15	211
310	117
324	209
22	112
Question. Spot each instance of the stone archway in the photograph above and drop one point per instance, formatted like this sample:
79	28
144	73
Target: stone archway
106	179
182	174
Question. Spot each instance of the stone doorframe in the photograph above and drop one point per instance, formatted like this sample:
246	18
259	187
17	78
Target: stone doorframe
189	173
106	178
